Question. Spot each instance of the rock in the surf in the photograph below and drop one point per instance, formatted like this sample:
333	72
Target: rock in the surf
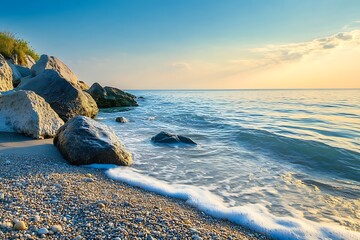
83	141
168	138
27	113
121	120
66	99
111	97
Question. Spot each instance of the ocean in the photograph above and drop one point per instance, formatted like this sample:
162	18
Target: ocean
282	162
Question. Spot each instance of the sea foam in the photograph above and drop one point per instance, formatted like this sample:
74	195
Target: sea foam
254	216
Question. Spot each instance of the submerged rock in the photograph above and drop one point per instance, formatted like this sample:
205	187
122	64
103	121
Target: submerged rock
29	114
168	138
84	141
111	97
121	120
67	100
6	77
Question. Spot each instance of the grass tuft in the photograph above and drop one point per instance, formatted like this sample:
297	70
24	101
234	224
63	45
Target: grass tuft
11	47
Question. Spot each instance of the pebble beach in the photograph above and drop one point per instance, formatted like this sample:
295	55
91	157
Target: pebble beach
42	196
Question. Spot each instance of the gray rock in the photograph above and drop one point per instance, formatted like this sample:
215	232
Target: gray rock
111	97
51	62
27	113
43	231
168	138
5	75
84	141
24	71
16	75
67	100
121	120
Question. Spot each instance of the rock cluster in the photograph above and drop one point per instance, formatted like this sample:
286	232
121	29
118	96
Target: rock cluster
65	98
108	97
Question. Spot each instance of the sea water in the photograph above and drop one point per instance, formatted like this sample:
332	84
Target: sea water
282	162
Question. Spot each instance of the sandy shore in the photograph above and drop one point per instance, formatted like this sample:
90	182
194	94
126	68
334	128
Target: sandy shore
38	187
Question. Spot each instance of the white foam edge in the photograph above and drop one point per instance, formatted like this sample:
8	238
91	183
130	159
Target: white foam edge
253	216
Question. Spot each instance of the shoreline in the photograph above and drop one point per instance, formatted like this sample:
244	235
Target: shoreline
42	189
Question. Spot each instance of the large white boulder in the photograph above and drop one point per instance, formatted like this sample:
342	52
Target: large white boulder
51	62
5	75
27	113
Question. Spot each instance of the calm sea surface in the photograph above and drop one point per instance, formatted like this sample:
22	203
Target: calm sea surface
283	162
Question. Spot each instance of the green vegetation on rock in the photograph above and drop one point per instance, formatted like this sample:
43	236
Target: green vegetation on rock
11	47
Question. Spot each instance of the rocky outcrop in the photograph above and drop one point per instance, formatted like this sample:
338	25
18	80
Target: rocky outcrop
5	75
27	113
84	141
16	75
121	120
50	62
18	72
83	85
67	100
29	61
111	97
168	138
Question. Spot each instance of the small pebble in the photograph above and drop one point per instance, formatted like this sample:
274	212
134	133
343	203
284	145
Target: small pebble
43	231
56	228
101	205
20	225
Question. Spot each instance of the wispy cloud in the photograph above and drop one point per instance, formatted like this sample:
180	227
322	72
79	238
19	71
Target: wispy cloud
277	54
181	65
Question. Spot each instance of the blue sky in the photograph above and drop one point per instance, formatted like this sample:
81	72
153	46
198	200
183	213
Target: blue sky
154	35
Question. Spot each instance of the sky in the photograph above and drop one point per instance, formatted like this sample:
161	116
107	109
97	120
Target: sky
196	44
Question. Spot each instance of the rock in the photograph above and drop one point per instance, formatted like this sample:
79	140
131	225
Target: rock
16	75
24	71
84	141
83	86
108	97
51	62
37	218
27	113
56	228
6	224
20	225
29	61
5	75
168	138
101	205
122	120
42	231
67	100
88	180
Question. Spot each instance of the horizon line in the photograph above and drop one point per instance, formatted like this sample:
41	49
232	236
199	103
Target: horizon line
240	89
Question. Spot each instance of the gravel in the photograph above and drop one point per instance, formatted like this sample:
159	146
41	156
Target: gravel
42	193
